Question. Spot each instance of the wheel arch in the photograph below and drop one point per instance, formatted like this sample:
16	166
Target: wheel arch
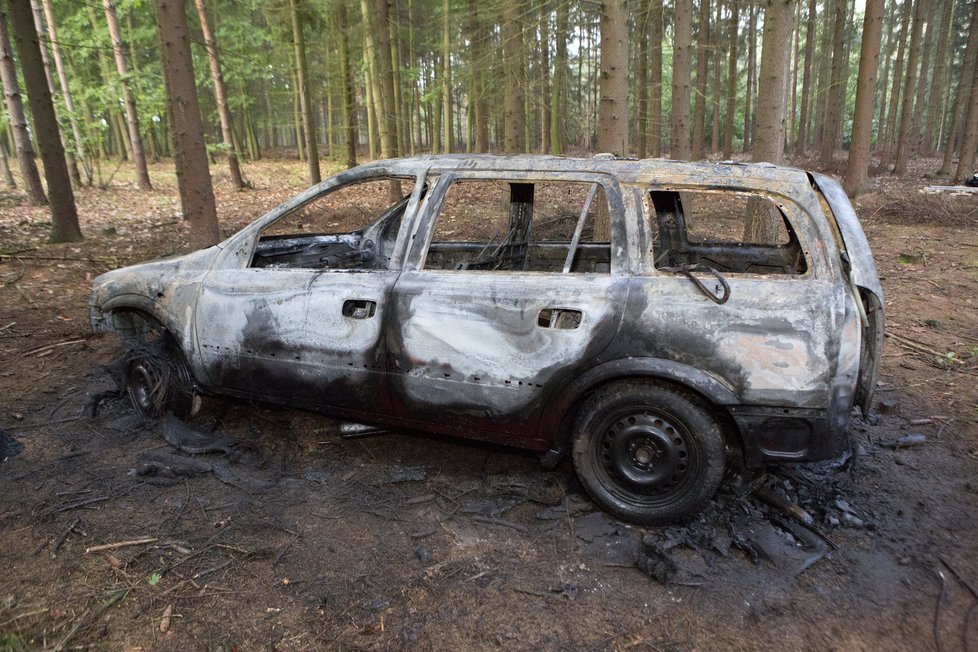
561	413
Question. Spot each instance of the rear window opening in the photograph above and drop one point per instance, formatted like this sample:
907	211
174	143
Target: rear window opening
729	231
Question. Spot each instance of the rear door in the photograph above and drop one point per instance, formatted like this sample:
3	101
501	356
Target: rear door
513	284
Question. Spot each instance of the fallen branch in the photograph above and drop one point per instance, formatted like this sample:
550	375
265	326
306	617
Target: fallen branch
89	617
71	506
488	520
937	611
56	345
120	544
916	346
64	535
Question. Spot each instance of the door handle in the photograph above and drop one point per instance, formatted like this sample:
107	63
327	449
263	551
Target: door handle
359	308
559	318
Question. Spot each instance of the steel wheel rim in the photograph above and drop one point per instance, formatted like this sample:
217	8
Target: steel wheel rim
645	456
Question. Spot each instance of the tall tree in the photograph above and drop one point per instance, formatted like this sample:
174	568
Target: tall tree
132	116
64	215
933	120
189	151
545	107
734	37
837	86
963	94
906	112
349	95
220	95
641	79
305	96
18	120
512	48
77	140
969	139
558	90
751	75
772	81
613	111
446	76
703	49
857	167
801	142
388	145
683	35
655	83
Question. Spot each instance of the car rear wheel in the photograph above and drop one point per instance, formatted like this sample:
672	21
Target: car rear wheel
158	379
647	452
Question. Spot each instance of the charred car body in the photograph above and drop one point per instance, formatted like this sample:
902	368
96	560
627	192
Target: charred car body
657	320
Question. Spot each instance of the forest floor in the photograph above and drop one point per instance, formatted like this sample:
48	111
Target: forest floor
301	539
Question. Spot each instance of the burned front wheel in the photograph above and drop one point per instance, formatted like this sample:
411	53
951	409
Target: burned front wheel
647	452
158	379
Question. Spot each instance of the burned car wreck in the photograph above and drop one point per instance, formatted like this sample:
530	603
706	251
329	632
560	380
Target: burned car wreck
658	321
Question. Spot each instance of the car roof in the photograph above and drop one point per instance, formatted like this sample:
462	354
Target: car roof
649	171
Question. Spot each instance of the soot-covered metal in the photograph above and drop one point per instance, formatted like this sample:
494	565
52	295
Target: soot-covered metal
540	302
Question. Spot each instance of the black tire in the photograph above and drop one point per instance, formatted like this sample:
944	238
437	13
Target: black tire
647	452
158	379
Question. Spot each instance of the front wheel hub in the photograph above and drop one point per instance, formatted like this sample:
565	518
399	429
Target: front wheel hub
646	451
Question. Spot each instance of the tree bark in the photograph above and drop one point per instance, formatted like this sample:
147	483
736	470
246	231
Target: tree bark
679	144
702	71
132	116
801	142
558	90
963	93
305	97
220	95
388	139
64	215
772	81
512	47
906	113
897	87
613	110
349	95
751	75
840	62
78	141
190	153
734	37
969	140
446	56
938	82
545	107
716	83
18	120
653	126
641	79
857	167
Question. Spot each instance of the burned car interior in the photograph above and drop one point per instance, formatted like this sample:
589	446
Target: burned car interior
716	229
543	226
353	227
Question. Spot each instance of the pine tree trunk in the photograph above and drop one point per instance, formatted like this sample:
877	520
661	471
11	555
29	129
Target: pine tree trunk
446	56
641	76
751	75
906	112
654	128
349	95
772	81
220	95
8	177
613	111
836	84
801	142
889	19
388	137
558	90
969	139
857	167
933	121
897	87
717	73
512	34
545	107
733	38
702	65
190	153
305	99
681	55
78	141
64	215
18	120
963	94
132	117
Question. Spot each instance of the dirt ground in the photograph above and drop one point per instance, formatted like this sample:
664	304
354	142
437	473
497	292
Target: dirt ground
300	539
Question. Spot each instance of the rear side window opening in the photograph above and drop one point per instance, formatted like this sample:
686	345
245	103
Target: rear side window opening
728	231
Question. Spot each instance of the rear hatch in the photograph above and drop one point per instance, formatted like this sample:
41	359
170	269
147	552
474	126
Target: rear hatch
857	262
